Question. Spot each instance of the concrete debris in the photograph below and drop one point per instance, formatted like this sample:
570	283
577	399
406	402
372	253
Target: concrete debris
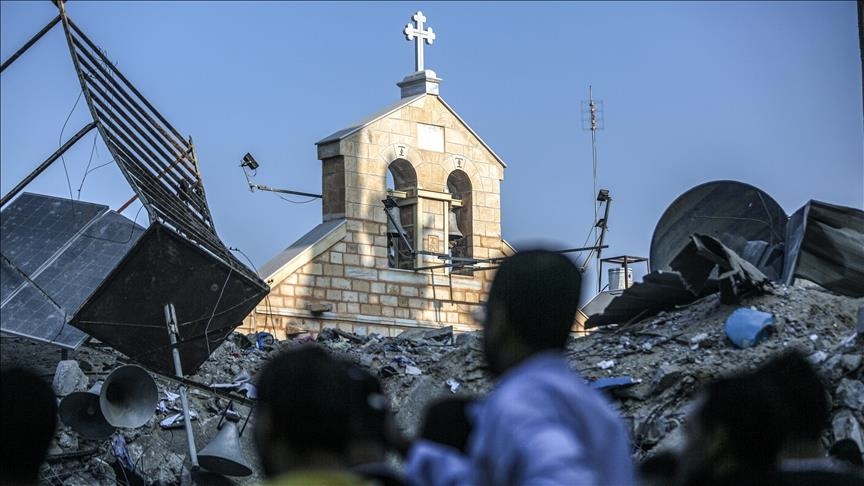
652	370
850	394
69	378
845	425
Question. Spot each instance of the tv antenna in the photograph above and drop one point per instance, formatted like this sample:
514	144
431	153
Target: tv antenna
593	119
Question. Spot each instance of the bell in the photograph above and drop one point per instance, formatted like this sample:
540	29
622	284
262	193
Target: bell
394	229
81	411
128	397
454	233
223	454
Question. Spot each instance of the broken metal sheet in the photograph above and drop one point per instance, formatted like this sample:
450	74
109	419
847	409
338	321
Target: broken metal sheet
742	217
704	256
695	264
599	302
825	244
657	292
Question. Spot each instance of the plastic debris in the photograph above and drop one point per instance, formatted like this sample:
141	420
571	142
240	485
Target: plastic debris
747	327
453	384
606	364
413	370
613	382
176	421
121	453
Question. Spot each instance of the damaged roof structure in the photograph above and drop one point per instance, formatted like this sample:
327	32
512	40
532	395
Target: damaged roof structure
744	250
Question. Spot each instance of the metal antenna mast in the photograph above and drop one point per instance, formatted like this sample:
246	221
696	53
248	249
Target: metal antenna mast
592	119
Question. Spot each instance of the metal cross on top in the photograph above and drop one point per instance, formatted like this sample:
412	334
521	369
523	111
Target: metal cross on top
418	35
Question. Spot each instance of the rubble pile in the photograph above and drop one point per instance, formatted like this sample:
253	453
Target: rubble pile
651	371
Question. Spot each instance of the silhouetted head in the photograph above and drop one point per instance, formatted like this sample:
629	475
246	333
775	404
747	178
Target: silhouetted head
29	417
735	432
804	403
531	306
303	414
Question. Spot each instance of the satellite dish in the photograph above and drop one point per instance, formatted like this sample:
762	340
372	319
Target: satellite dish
742	217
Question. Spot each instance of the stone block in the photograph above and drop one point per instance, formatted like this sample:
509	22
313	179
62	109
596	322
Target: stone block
350	296
388	311
389	300
68	378
378	287
303	291
360	286
341	283
333	270
410	291
351	259
417	303
370	309
312	269
353	308
334	295
322	282
336	258
319	293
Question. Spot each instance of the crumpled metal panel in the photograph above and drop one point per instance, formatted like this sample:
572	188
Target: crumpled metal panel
825	244
211	300
704	266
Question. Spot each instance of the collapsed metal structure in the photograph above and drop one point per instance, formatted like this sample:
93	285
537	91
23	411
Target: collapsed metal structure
179	259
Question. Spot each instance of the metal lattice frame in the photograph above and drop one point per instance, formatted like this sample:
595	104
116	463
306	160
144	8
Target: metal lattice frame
156	160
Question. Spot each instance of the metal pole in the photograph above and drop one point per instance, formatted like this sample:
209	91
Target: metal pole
44	165
29	43
602	235
171	322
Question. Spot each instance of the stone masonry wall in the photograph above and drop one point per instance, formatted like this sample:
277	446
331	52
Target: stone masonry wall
353	276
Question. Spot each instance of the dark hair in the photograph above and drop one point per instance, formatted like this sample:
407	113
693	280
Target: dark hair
745	407
802	394
29	417
539	292
307	393
446	422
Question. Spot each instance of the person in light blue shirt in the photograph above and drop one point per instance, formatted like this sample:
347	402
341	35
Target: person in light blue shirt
541	425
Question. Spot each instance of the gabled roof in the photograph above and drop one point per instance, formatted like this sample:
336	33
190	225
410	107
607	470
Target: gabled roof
354	128
303	251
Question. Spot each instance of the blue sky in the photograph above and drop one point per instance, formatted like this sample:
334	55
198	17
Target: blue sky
765	93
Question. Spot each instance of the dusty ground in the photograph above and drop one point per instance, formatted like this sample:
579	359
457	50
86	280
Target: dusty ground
670	356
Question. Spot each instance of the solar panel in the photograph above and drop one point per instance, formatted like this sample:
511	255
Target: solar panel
56	253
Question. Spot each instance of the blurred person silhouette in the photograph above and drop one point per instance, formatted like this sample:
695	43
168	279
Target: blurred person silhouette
29	417
541	424
371	428
303	419
446	421
804	410
733	434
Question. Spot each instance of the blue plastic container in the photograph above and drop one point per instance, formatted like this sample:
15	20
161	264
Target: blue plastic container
747	327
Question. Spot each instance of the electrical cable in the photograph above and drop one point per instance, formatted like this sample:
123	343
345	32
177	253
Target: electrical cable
60	143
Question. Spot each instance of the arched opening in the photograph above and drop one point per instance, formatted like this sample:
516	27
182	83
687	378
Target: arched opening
401	176
459	187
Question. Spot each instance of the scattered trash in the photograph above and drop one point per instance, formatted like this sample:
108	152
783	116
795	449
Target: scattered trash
413	370
121	453
814	337
263	339
747	327
606	364
453	384
613	382
176	421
